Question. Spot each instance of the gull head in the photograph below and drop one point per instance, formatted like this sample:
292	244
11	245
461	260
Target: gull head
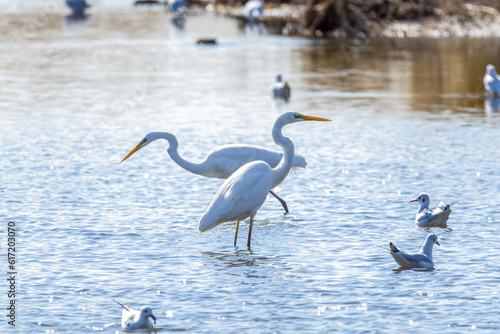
423	199
433	239
490	69
147	312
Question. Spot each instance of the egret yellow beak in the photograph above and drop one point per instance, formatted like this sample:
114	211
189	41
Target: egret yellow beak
313	118
134	149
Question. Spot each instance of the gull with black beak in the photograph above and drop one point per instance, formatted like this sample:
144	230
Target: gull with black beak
137	319
422	259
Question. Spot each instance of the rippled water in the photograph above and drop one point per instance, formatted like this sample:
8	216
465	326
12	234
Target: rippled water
408	116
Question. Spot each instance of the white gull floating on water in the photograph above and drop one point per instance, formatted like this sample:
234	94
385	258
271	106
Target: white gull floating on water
492	81
280	88
133	319
427	218
422	259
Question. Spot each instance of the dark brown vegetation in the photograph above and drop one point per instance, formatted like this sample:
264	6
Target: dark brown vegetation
361	17
364	17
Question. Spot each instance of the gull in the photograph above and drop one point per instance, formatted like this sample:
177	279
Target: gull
491	80
176	6
133	319
422	259
77	6
280	88
254	10
427	218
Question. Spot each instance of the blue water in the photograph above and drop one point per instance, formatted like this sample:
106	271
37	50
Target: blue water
408	116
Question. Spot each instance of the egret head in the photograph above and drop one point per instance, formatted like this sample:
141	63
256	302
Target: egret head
147	312
293	117
144	142
423	199
490	69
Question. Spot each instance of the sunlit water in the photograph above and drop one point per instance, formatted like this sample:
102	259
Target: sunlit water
408	116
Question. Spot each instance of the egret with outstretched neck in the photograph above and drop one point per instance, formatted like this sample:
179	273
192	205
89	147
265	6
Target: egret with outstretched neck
244	192
222	161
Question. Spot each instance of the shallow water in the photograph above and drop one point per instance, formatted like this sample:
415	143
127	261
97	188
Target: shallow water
408	116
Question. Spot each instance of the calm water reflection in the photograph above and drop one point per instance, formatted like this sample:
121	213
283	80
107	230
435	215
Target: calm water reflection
408	116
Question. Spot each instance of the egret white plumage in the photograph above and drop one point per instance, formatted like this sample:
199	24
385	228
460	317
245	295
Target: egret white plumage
254	10
426	217
422	259
244	192
136	319
491	80
280	88
223	160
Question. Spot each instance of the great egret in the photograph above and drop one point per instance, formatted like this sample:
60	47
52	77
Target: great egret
244	192
133	319
222	161
425	217
280	88
422	259
491	80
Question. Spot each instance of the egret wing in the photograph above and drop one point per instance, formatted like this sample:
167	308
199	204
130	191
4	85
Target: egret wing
244	192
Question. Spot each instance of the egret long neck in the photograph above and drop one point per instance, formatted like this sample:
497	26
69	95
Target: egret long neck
282	170
196	168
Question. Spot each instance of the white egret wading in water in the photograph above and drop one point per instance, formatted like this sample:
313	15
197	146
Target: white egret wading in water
244	192
222	161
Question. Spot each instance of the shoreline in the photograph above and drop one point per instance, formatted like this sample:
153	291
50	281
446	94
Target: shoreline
468	19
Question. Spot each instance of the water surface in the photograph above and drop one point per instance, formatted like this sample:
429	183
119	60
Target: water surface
409	115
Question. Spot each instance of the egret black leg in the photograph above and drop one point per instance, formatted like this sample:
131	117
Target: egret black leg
236	234
281	201
250	232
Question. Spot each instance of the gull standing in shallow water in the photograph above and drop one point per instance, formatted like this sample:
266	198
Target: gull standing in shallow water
222	161
280	88
492	81
422	259
244	192
427	218
133	319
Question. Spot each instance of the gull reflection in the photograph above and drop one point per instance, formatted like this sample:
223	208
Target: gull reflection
492	106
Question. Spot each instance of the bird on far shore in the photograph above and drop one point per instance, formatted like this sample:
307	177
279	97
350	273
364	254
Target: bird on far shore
177	7
77	6
254	10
